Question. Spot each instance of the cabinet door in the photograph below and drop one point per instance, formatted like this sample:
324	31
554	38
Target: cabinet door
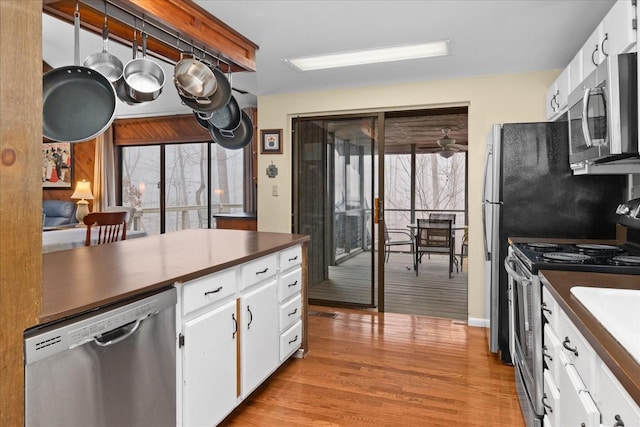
615	403
550	105
617	27
209	367
591	55
259	335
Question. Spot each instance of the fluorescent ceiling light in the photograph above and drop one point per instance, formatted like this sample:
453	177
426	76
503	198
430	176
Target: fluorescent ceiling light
370	56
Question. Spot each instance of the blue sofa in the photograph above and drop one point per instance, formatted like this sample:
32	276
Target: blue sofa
58	213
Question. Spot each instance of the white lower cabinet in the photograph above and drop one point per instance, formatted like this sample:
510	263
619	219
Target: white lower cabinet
259	335
579	388
236	327
209	386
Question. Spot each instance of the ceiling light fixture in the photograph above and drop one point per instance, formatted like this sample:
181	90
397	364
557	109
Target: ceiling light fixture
370	56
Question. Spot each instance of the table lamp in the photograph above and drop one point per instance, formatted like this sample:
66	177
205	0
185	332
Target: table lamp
83	192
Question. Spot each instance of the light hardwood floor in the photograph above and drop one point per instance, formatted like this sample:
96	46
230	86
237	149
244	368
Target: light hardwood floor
374	369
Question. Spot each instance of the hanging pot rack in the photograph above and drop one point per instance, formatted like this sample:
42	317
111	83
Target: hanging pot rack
172	26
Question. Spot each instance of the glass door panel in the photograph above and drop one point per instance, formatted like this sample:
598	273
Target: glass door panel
335	190
141	186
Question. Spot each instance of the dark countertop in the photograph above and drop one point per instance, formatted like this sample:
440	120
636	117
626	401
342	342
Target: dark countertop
617	359
82	279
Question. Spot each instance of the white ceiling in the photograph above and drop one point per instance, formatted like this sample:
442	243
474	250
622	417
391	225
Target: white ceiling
487	37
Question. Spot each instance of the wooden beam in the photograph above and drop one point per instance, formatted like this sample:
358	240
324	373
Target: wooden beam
181	18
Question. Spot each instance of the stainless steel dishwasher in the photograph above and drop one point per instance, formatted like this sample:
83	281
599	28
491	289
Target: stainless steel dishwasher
114	366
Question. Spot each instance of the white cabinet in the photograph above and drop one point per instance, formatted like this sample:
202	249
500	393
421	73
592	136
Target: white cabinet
579	388
209	386
259	335
614	35
557	95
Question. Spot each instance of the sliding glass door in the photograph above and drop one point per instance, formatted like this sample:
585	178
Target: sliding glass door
335	160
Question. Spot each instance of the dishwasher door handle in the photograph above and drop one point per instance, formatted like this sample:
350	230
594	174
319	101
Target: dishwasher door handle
133	329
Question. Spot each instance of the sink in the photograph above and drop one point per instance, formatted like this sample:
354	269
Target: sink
618	310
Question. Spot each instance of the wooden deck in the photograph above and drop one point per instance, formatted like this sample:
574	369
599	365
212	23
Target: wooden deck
431	293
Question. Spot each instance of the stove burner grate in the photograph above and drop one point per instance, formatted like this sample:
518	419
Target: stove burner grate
599	249
567	257
625	260
543	246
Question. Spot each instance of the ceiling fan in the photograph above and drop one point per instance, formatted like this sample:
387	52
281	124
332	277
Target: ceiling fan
448	146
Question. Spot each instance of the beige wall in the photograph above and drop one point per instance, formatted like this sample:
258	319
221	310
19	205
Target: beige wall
492	99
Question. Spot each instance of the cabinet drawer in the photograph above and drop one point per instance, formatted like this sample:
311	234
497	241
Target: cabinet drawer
577	350
290	284
551	351
551	399
614	401
290	340
259	270
290	312
290	258
208	290
578	408
549	308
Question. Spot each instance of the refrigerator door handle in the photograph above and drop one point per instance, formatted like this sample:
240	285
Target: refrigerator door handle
485	202
487	255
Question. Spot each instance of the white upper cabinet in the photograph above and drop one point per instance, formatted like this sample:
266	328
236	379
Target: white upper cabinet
557	95
615	34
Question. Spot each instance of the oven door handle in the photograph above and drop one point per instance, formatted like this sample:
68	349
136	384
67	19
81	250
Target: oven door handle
513	273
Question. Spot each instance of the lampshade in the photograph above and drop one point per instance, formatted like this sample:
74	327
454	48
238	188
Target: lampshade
83	190
446	152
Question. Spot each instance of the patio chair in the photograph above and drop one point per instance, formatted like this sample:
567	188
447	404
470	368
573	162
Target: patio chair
404	238
435	237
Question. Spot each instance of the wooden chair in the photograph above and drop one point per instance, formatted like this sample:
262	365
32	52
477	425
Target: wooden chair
405	240
434	237
110	227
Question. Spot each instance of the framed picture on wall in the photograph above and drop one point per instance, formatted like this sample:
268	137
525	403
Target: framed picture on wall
271	141
57	165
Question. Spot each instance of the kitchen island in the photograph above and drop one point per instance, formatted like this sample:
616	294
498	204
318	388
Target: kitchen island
241	305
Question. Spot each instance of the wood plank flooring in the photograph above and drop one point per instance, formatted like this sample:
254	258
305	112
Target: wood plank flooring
384	369
431	293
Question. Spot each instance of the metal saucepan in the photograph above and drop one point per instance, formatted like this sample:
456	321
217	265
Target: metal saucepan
105	63
194	79
78	102
227	118
143	78
233	140
220	97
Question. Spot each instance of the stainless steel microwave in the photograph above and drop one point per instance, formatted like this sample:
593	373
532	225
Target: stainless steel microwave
603	113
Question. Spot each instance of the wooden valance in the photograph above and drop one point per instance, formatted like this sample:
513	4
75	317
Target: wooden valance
159	130
165	22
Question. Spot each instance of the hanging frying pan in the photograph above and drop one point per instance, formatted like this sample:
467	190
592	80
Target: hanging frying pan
194	79
227	118
202	121
233	140
78	103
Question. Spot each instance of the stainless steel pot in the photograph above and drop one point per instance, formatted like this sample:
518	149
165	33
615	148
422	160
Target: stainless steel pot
143	78
105	63
78	102
194	79
220	98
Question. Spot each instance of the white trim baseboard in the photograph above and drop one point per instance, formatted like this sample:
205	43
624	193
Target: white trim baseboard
481	323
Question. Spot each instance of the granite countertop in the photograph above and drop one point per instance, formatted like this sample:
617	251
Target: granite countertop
82	279
617	359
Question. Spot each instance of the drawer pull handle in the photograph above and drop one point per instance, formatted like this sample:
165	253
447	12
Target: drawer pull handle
235	325
545	404
250	317
619	422
293	312
544	308
566	343
545	354
294	258
213	292
293	284
263	271
293	340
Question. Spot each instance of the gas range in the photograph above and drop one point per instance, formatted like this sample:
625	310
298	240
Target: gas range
588	257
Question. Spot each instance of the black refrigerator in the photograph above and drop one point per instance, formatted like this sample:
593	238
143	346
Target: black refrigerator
530	191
